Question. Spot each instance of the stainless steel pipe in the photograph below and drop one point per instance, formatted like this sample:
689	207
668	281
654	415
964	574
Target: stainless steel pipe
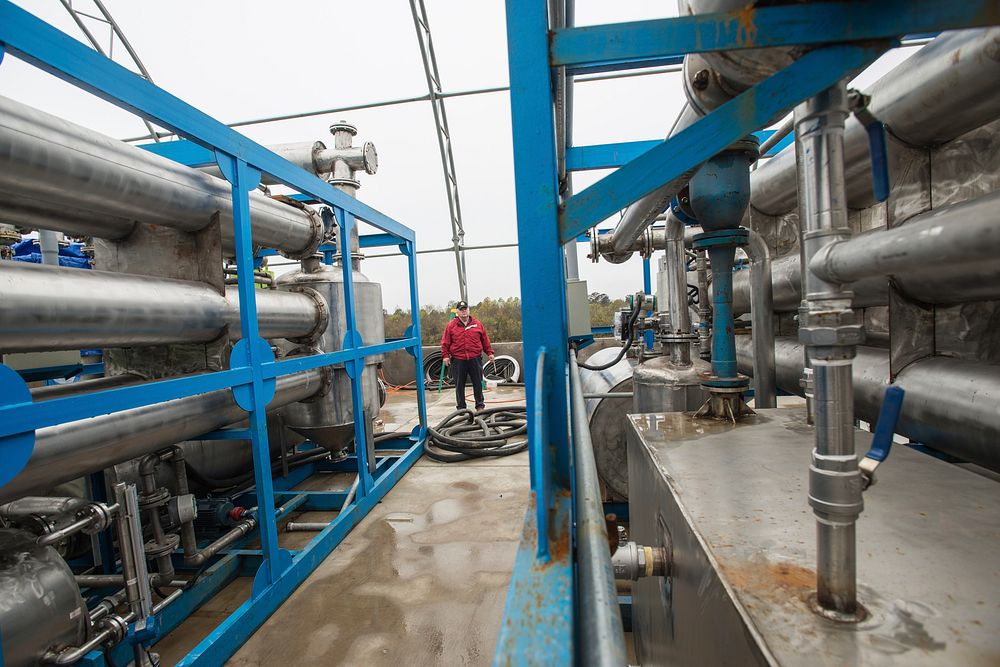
951	404
762	320
937	94
67	451
603	643
947	255
49	308
960	243
62	176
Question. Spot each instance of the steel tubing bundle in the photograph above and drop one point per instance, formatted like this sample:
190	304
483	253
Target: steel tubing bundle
939	93
58	175
68	451
951	404
48	308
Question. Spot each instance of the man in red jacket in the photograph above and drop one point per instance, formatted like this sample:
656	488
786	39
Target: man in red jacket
462	344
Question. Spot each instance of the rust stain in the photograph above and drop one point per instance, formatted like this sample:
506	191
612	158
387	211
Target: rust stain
777	581
746	26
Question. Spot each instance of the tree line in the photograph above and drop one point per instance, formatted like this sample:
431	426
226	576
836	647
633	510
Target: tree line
501	318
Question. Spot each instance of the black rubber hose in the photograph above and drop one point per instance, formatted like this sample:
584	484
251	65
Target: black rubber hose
467	434
633	317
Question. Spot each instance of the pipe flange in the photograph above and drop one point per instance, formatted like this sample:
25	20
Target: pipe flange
117	628
738	236
156	549
318	236
349	182
677	338
153	499
343	126
326	372
647	243
101	520
595	247
322	322
749	145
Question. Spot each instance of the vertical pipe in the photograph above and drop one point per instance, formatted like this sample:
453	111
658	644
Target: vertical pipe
762	318
828	329
723	334
704	312
48	243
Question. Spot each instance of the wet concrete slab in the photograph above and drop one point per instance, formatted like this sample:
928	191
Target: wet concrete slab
422	580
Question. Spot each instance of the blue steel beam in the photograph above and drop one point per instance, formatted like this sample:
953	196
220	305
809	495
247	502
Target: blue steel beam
39	44
609	156
633	44
745	113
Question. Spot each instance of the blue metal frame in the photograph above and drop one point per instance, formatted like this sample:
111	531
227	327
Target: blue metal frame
253	369
542	599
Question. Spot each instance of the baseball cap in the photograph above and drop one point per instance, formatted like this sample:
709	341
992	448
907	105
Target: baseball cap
461	305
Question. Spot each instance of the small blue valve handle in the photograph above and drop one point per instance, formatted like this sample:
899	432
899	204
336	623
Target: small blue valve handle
885	427
880	159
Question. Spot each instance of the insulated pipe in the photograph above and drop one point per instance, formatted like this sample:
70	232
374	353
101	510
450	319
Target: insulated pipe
762	321
939	93
68	451
51	169
951	404
960	241
603	642
677	293
49	308
315	158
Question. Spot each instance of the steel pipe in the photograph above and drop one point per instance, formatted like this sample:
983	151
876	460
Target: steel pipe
62	176
68	451
960	243
603	643
49	308
945	256
762	319
937	94
951	404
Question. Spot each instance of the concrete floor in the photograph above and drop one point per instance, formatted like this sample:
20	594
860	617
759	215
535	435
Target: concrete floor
422	580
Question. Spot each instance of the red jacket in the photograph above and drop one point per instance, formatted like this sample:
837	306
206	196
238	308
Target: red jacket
465	341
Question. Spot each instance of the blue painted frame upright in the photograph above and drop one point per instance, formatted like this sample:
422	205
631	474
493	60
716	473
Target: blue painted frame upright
543	602
253	370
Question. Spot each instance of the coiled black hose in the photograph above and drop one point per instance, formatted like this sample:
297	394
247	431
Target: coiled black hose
467	434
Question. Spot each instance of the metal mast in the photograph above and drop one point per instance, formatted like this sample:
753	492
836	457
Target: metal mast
444	137
113	31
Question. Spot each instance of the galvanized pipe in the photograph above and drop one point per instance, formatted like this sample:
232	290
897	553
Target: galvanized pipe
51	169
48	243
951	404
50	308
937	94
762	318
827	327
602	642
960	243
71	450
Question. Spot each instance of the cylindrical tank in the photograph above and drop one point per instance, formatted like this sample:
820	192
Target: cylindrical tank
662	386
40	604
607	418
328	419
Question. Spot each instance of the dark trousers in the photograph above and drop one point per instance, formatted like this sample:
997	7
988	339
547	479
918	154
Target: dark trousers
473	369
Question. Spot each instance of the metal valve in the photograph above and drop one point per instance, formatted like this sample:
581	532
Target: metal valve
885	427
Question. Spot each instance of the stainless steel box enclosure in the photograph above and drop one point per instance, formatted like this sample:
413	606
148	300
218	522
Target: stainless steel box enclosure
733	500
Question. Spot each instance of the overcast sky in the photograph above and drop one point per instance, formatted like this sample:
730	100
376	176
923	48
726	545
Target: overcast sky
243	60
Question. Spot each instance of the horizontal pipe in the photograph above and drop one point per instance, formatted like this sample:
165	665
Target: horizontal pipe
950	404
62	176
937	94
68	451
960	243
945	256
48	308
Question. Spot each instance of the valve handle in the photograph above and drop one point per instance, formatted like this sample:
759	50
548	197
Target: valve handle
877	148
885	427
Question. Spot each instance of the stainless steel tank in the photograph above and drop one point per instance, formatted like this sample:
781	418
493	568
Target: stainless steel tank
328	418
607	418
40	604
660	385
